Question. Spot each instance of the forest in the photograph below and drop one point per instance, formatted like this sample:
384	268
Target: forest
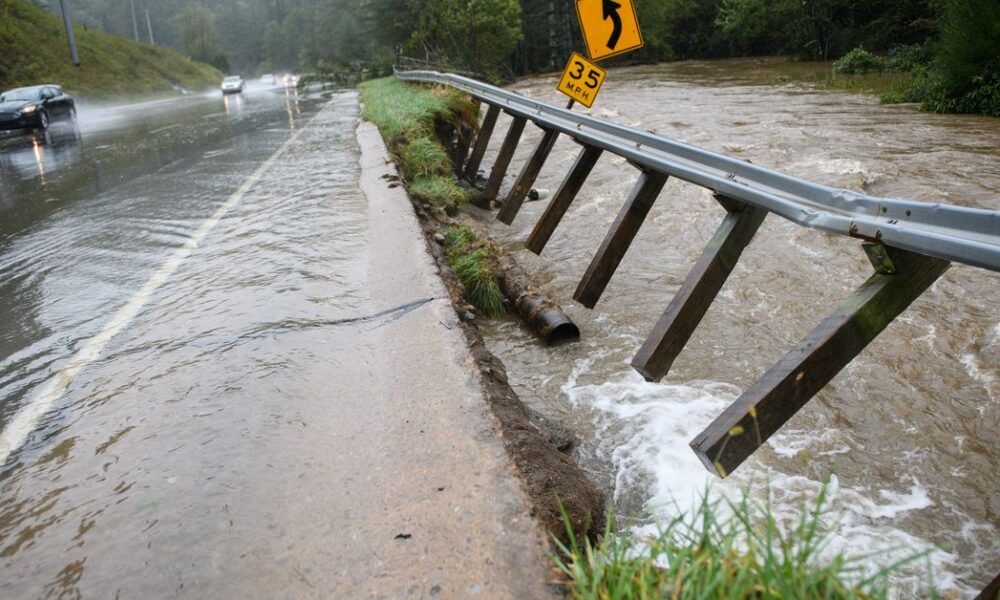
950	47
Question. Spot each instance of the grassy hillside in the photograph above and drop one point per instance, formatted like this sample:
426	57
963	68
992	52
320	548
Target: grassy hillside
34	50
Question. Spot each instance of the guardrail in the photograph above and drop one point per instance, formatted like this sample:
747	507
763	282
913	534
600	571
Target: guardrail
909	244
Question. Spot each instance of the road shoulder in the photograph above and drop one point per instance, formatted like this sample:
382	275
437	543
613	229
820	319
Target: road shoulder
461	502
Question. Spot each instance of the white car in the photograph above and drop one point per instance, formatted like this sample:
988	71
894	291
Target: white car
232	84
267	79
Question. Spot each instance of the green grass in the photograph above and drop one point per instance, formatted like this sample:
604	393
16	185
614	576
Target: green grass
439	190
476	262
408	117
409	111
707	556
423	157
33	50
891	88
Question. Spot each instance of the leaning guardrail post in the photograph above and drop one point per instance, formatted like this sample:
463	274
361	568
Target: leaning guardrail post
991	591
619	238
689	305
482	140
512	204
900	278
564	196
503	159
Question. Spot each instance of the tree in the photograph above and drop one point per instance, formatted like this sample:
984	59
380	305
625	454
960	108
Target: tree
196	25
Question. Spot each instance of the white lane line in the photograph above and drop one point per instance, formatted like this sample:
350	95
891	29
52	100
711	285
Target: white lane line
26	420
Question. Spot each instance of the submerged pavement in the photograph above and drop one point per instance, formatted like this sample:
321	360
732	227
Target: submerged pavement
264	392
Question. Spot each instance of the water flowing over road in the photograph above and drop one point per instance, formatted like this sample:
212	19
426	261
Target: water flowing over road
905	435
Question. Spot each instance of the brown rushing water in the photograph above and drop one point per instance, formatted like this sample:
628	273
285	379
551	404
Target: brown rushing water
906	433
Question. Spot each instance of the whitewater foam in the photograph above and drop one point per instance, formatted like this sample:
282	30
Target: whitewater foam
643	430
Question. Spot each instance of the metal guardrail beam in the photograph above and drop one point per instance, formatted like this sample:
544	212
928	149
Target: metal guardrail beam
954	233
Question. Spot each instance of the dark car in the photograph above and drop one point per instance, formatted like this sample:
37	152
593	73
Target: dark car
35	107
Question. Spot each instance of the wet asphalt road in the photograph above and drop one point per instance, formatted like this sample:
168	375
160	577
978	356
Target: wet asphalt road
228	371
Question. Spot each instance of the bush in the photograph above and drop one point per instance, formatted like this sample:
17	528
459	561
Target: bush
968	56
907	58
859	62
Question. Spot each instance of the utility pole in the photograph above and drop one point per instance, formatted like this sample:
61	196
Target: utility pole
149	26
135	23
73	54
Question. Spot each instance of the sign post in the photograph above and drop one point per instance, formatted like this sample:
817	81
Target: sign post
610	27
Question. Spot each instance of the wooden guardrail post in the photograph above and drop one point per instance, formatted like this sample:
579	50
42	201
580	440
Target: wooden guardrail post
991	591
564	196
900	278
619	238
503	159
482	140
691	302
527	177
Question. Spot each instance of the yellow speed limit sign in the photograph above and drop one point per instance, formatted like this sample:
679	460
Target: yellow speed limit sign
581	80
610	27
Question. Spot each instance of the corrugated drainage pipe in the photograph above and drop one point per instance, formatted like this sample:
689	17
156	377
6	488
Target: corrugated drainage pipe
544	316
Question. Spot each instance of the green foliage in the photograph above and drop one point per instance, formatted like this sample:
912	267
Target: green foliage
196	25
423	157
708	556
477	35
110	65
759	26
970	45
407	116
476	262
966	72
859	62
908	58
403	111
442	191
964	76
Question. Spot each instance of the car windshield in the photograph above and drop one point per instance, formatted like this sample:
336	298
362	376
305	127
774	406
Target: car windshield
233	79
20	94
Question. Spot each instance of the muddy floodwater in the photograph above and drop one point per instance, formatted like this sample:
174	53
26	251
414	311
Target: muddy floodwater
905	436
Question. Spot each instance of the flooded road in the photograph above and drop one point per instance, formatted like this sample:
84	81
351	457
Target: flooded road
905	435
213	371
160	378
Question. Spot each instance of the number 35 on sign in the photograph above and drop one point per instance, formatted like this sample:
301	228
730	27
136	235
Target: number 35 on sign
581	80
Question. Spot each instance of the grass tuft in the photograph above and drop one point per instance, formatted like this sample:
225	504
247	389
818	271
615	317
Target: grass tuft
706	555
423	157
476	262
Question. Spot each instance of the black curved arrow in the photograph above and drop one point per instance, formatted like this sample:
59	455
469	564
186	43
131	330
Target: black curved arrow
610	9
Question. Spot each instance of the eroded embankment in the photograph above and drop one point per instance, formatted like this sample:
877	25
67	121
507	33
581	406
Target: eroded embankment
413	125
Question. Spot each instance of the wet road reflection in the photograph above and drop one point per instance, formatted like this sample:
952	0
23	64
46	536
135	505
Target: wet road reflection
170	275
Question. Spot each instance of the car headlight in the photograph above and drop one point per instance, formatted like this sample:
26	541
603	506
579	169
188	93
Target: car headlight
27	110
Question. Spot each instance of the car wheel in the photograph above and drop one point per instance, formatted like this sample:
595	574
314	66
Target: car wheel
43	120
